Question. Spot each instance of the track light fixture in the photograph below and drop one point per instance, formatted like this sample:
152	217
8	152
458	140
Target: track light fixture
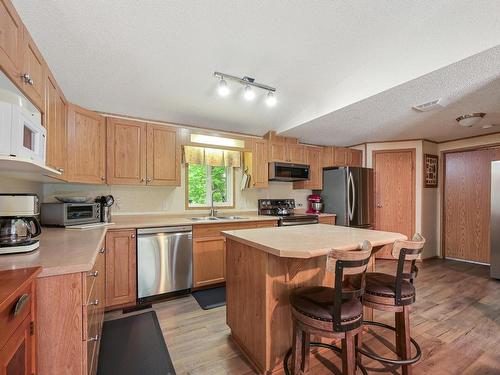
248	92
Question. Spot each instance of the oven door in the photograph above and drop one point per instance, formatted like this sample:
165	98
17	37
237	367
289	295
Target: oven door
27	137
76	213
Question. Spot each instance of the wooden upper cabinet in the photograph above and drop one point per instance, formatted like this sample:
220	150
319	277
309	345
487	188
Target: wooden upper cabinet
56	124
126	152
260	176
11	41
314	160
327	157
277	152
339	156
121	268
355	158
86	146
163	156
296	153
33	71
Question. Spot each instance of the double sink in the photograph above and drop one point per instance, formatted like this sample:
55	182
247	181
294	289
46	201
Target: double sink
217	218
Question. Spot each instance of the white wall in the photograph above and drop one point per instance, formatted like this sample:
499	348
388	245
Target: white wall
170	200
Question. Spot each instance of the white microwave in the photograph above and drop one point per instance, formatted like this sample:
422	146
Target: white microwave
23	135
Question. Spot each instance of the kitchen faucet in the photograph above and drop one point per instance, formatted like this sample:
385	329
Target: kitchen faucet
213	212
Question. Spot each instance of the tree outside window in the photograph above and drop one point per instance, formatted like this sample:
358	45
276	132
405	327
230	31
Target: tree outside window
203	180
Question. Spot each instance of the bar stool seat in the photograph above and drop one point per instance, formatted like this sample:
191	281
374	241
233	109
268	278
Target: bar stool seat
316	302
383	285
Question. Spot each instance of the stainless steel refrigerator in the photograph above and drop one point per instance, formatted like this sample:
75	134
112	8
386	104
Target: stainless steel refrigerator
348	193
495	220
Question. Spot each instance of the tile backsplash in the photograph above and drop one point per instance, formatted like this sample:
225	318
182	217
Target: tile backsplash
170	200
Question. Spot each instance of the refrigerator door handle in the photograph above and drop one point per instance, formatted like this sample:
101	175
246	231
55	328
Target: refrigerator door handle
348	216
353	187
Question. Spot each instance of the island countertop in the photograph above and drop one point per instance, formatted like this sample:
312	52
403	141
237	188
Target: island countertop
308	241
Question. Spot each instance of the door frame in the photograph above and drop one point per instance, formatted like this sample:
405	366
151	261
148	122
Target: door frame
413	178
442	176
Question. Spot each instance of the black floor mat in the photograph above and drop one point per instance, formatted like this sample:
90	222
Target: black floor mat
134	346
211	298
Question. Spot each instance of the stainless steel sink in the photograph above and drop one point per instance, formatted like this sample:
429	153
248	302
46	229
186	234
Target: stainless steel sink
215	218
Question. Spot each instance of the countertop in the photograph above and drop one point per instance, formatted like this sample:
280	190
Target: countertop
64	251
308	241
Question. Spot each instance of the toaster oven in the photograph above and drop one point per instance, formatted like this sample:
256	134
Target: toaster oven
67	214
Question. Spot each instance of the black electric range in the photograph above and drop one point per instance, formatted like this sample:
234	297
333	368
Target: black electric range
284	209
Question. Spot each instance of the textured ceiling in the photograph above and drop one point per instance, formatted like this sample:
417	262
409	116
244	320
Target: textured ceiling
155	58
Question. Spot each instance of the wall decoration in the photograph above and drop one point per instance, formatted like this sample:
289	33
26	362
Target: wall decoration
431	163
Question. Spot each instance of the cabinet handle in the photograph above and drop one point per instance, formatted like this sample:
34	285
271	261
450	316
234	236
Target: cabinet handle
142	180
95	338
149	179
93	274
26	77
102	250
60	170
132	236
31	82
103	178
21	302
93	303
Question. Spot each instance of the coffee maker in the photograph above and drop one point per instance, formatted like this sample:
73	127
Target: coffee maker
314	204
18	223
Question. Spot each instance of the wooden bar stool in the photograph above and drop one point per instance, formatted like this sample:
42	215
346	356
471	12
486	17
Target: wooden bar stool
396	294
335	313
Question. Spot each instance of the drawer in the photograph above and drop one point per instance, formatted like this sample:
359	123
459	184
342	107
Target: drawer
92	341
97	273
213	230
15	312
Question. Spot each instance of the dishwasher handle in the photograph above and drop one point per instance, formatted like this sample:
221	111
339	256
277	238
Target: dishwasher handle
183	229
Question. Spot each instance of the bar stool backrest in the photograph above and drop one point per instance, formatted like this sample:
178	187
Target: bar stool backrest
351	264
406	251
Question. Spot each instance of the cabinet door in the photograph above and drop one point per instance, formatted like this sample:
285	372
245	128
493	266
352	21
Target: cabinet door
327	220
56	124
86	146
126	152
16	356
120	268
313	159
34	67
339	156
327	157
163	156
354	158
259	178
209	260
277	152
11	41
296	153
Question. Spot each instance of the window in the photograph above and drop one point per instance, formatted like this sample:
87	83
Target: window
202	180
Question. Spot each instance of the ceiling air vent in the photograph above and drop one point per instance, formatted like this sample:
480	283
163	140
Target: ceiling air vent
429	106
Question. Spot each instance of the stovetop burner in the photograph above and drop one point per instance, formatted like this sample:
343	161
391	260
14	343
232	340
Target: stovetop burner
283	208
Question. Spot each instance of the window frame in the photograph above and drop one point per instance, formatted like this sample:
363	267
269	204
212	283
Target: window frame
231	191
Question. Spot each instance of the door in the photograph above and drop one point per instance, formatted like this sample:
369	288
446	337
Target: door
11	41
394	172
467	204
126	152
16	355
33	71
209	260
86	146
120	268
56	124
163	156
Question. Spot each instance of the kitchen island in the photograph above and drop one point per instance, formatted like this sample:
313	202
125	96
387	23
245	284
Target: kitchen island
264	265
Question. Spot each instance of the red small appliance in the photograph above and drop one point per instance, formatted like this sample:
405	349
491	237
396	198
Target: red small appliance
314	204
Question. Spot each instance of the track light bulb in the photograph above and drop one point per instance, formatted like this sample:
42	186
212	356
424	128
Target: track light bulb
249	93
223	88
271	99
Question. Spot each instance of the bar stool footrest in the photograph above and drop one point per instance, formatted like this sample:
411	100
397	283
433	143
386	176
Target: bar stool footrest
320	345
399	362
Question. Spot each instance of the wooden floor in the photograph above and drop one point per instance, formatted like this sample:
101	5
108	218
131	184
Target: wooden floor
456	320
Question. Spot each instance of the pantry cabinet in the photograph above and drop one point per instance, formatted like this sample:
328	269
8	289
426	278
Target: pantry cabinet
255	163
86	146
56	125
142	154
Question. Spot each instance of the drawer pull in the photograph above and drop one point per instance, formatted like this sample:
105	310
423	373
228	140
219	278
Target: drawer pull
93	303
95	338
102	250
21	302
93	274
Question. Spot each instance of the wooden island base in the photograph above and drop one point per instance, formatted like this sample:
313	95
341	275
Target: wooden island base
258	310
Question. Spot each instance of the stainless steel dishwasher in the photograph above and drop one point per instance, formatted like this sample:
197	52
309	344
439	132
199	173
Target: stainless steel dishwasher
164	261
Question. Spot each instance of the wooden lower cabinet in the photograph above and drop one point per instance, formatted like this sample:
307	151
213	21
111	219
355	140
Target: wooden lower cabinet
121	278
209	250
70	317
18	321
327	220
